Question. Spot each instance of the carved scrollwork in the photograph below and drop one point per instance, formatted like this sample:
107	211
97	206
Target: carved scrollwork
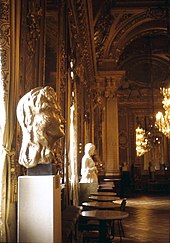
4	34
33	24
4	44
158	13
124	17
80	72
123	139
63	71
101	30
4	10
14	177
4	59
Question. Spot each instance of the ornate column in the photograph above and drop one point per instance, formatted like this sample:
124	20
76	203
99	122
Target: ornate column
108	83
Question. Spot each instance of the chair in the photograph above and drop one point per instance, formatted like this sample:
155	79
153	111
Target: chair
122	208
119	221
70	217
89	229
90	236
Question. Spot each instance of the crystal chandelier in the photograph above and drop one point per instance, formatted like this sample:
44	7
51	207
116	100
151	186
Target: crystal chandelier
163	121
141	142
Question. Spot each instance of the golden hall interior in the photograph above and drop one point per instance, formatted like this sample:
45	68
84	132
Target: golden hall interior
109	64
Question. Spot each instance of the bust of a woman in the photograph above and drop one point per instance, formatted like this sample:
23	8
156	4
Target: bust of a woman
88	168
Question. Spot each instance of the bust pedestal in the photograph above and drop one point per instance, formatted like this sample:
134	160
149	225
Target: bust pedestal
39	209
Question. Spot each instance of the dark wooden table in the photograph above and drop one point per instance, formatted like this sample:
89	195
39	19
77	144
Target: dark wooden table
104	198
104	194
101	205
104	216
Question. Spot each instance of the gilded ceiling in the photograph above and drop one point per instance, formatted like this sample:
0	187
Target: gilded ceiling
133	36
127	35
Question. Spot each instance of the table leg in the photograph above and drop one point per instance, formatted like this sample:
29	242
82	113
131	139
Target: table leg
113	228
103	232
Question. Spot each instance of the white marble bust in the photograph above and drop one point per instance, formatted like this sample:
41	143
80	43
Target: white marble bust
88	168
38	114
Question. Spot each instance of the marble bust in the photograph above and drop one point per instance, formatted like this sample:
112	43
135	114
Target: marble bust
39	116
88	168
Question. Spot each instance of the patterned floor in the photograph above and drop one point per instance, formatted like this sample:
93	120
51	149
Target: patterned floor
148	221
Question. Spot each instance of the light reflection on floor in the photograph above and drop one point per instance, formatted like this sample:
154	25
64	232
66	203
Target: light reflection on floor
149	220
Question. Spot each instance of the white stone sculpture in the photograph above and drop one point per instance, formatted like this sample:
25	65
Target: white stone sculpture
42	125
89	170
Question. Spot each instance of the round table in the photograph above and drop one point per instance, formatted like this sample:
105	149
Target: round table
104	198
104	216
101	205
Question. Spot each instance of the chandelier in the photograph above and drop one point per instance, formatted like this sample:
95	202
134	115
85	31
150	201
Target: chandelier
163	121
141	142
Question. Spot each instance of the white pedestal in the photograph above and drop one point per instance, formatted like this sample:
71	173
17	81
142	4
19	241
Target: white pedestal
39	209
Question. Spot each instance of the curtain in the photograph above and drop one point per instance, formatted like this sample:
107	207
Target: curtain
9	82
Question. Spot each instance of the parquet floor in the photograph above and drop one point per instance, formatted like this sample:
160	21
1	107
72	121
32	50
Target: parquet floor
148	221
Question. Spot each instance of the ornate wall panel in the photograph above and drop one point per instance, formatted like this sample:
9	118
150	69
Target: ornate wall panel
51	50
32	44
5	43
123	136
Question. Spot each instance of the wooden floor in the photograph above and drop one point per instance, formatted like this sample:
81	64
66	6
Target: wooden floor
148	221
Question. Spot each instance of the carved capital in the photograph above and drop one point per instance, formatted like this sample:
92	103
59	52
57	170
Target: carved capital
108	82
